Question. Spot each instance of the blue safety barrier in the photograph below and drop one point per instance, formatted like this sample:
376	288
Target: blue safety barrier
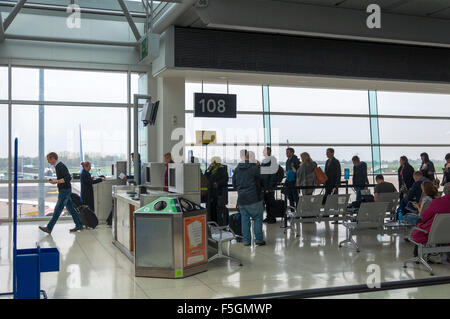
28	264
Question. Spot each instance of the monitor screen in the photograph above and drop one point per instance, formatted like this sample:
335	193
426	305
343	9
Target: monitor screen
147	175
153	113
146	112
172	177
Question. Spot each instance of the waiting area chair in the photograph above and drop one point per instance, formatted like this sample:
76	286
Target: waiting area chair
438	240
370	217
393	199
220	235
335	205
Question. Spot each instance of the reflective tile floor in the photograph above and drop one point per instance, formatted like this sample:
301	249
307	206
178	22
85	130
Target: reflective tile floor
92	267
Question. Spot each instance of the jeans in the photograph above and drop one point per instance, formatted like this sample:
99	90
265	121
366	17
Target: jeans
64	200
254	211
292	194
358	193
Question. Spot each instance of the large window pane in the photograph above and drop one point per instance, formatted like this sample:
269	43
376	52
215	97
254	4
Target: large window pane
3	161
390	159
306	100
314	129
25	84
412	131
85	86
103	133
418	104
248	97
243	129
3	83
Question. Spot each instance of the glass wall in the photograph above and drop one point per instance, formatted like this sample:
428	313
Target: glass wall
311	120
70	112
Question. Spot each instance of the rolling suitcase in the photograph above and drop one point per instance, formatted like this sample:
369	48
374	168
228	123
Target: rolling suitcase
76	200
235	224
277	208
87	216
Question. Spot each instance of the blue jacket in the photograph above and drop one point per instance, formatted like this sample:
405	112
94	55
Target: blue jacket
247	182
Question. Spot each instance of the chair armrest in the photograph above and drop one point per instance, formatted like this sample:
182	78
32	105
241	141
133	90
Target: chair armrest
420	229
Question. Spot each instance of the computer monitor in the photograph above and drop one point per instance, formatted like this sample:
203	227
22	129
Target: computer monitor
146	113
154	113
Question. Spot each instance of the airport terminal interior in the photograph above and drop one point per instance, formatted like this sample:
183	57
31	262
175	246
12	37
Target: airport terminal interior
162	130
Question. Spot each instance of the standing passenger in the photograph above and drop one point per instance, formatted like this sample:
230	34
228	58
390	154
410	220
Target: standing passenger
333	172
405	176
269	182
360	179
64	191
86	180
217	200
167	159
446	170
427	167
246	180
306	175
292	164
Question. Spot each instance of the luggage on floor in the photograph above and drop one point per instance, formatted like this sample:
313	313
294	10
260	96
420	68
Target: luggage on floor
277	208
87	216
235	224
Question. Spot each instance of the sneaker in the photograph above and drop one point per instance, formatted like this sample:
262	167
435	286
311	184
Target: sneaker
76	229
261	243
45	229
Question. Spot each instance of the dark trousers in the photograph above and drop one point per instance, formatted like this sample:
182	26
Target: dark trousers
291	194
217	210
268	197
329	190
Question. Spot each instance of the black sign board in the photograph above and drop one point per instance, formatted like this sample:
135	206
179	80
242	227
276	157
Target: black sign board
214	105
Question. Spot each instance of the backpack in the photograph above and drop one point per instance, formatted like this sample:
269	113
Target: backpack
280	174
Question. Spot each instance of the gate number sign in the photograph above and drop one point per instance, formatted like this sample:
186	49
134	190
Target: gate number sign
214	105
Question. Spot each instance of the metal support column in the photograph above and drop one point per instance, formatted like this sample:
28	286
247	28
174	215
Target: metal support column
2	31
10	18
10	201
41	187
266	115
130	20
374	133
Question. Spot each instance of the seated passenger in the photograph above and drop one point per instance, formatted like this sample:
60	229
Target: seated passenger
414	194
383	187
430	192
437	206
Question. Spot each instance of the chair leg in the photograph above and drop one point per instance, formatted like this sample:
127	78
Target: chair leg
350	240
411	260
426	265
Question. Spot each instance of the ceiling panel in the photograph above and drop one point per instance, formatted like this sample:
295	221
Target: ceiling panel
421	7
363	4
329	3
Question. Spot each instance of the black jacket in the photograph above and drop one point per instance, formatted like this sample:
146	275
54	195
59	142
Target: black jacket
63	173
415	192
221	178
333	172
405	175
360	175
247	182
268	181
87	191
292	162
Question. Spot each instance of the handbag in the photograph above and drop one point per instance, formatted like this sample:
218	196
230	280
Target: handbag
320	175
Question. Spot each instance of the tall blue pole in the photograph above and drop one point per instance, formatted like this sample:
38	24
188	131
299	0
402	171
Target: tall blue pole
15	217
41	187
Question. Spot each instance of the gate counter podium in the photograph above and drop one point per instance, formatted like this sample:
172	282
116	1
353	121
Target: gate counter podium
170	239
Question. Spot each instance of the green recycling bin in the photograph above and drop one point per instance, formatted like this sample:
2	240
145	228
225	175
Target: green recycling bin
170	239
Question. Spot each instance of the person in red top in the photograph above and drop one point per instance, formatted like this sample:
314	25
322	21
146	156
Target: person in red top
437	206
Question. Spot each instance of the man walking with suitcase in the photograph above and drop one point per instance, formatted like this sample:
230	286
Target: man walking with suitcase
64	191
246	180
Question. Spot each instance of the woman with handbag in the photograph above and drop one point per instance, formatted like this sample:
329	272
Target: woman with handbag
306	175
